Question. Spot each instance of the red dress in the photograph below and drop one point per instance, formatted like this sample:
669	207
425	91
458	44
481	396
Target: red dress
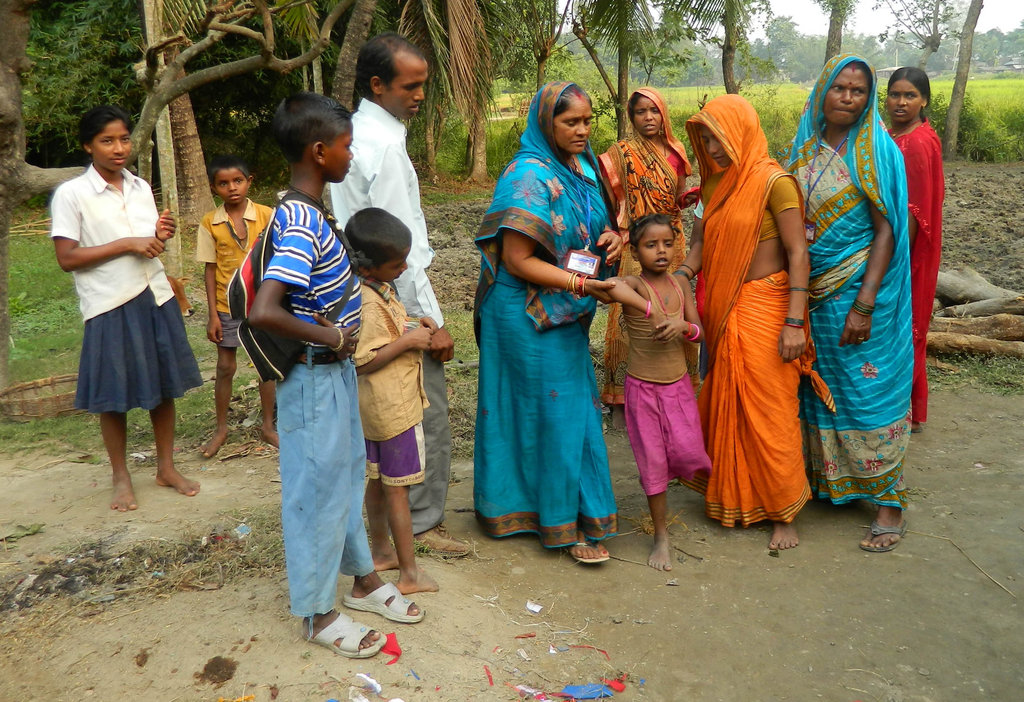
926	188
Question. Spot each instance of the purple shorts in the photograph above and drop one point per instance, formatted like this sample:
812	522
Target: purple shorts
399	460
229	328
664	431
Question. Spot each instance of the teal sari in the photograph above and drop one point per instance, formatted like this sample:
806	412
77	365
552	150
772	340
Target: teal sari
857	452
540	462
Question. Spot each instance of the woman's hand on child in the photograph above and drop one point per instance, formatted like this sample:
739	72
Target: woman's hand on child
599	289
165	226
145	246
791	343
671	328
612	244
428	323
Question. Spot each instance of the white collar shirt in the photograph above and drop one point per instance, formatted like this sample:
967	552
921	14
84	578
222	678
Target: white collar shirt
382	175
92	212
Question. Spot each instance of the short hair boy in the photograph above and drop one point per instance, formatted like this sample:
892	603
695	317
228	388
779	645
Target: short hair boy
224	238
322	451
389	363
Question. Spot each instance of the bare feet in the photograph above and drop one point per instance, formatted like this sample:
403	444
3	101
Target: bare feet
890	517
172	478
660	558
211	447
385	558
618	417
783	536
322	621
123	499
269	435
916	427
420	582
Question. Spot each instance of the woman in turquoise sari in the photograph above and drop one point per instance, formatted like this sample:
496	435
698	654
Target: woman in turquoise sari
855	191
540	463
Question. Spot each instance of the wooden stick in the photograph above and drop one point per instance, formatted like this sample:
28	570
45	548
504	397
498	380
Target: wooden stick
973	562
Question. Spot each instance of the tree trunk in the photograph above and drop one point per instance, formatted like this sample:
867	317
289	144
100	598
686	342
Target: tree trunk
967	285
834	42
1005	327
478	149
983	308
732	36
943	342
344	84
963	68
621	113
318	75
542	67
194	197
926	53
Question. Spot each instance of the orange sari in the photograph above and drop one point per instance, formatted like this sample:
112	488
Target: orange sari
748	405
641	181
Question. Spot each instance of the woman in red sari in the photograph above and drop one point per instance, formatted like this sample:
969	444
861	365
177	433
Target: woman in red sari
644	175
908	95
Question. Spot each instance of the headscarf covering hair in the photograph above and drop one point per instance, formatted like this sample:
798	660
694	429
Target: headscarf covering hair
541	196
666	124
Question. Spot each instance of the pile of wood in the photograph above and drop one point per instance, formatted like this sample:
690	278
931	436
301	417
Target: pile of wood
975	317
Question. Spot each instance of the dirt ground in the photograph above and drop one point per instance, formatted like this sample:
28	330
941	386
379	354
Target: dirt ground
937	619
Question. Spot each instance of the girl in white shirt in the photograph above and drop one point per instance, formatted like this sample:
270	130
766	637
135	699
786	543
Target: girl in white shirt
108	234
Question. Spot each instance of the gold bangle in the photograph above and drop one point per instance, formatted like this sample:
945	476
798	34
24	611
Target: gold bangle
341	341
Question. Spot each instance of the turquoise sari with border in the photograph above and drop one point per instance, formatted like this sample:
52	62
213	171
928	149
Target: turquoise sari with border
858	452
540	462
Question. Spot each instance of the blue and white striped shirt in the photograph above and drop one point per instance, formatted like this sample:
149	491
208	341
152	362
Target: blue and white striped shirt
309	258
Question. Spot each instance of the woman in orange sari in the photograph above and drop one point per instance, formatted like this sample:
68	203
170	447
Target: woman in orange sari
754	258
644	175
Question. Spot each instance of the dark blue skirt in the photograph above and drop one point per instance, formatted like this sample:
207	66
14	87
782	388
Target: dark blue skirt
136	355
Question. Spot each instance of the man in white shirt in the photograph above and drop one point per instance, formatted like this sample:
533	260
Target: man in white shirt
390	75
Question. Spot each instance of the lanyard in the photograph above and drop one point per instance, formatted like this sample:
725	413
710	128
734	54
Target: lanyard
810	187
582	182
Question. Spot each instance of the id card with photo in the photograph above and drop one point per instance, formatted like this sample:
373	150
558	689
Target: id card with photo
582	262
810	229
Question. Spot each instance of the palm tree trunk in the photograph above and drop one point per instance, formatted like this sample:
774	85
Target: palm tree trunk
478	149
344	84
621	114
963	68
194	197
732	35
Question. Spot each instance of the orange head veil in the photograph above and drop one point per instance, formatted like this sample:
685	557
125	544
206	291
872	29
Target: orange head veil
733	212
666	123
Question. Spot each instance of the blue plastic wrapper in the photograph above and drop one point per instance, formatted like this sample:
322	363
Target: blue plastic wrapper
592	691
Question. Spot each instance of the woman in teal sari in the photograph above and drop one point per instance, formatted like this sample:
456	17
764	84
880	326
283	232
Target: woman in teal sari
855	191
540	463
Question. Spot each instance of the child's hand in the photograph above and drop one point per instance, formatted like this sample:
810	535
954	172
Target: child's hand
165	226
671	328
429	324
689	198
419	338
214	331
791	343
349	335
145	246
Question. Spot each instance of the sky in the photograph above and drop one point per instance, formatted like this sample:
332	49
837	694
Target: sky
1004	15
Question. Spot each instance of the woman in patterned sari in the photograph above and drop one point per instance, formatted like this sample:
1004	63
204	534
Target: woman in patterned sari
855	191
540	463
644	175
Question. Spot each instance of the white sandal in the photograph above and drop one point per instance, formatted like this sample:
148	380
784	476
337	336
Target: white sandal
377	602
351	633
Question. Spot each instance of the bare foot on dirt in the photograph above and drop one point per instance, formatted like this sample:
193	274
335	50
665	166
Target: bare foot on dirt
211	447
420	583
322	621
269	435
172	478
886	517
123	498
783	536
660	558
384	559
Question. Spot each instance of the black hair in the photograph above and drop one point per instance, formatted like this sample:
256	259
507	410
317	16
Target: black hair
377	58
916	77
572	92
226	162
639	226
377	236
633	100
96	120
306	118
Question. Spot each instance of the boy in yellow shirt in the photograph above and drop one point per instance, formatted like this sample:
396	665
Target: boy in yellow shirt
224	238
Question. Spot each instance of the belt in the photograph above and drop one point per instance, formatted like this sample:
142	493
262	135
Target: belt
319	357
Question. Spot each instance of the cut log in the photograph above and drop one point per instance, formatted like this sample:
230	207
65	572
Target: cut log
1005	327
984	308
945	342
967	285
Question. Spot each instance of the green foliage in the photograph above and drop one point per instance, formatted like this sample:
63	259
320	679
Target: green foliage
82	51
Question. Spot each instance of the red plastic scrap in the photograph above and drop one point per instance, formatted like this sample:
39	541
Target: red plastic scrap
526	636
490	678
595	648
392	648
617	684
